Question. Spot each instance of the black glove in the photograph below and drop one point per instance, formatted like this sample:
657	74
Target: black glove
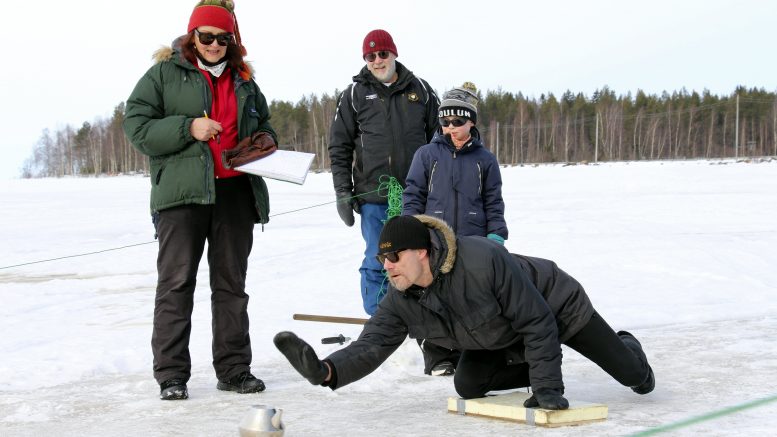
346	205
547	398
301	356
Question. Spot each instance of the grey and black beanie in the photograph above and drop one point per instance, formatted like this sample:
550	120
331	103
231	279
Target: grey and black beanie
460	102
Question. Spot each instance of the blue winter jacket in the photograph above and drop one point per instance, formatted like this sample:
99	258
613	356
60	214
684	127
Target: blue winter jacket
463	188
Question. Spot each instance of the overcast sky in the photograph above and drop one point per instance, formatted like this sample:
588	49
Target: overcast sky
70	62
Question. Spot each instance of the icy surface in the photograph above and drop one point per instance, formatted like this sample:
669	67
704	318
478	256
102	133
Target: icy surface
682	254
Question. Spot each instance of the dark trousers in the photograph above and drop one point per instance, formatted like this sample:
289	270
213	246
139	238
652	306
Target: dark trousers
227	226
434	355
481	371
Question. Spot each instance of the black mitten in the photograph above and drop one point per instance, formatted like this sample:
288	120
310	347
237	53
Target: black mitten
301	356
345	207
548	399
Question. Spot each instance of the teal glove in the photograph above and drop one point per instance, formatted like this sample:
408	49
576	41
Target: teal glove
497	238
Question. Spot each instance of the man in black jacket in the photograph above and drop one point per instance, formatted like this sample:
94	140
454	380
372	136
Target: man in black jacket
507	313
382	118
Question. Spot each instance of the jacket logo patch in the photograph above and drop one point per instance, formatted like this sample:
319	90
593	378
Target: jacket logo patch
413	97
371	97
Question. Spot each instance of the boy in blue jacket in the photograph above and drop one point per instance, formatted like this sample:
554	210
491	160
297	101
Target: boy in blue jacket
456	179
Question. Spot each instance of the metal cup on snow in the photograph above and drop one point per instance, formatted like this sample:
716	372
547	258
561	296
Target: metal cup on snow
262	421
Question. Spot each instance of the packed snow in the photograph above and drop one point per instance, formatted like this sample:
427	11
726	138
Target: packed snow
682	254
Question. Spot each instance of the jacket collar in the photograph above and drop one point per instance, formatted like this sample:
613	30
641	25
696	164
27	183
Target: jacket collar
473	143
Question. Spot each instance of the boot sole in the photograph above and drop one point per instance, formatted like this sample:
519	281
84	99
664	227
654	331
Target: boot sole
647	386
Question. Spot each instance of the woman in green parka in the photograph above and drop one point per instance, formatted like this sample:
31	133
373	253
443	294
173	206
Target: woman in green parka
198	101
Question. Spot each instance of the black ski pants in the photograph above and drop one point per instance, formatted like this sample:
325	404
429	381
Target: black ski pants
481	371
227	226
434	355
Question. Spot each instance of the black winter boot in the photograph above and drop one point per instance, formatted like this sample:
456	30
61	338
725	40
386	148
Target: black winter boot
443	368
173	390
632	343
242	383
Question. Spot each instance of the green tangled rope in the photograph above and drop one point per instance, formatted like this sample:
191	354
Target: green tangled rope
390	188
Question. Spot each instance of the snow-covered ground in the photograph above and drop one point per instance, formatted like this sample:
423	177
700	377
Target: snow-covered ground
682	254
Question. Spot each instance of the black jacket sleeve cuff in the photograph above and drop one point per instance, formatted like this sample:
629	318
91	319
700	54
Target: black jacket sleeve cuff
332	383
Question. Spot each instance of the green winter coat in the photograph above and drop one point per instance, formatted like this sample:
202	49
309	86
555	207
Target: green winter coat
158	116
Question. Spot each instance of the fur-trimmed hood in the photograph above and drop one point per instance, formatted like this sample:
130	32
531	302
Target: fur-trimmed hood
164	53
444	246
167	53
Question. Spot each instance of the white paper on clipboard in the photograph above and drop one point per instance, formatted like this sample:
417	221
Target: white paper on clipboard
284	165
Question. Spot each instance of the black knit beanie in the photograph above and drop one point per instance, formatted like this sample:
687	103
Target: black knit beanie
403	232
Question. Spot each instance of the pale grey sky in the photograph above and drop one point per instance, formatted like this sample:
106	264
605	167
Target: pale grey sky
70	62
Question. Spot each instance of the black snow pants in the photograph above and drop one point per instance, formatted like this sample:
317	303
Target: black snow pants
434	355
481	371
227	226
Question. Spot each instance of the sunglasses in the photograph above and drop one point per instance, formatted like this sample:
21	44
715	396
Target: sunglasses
370	57
391	256
223	39
456	122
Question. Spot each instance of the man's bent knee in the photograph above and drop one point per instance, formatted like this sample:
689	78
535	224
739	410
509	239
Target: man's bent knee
467	388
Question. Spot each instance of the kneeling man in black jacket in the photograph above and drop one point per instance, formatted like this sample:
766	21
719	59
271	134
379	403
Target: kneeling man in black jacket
507	313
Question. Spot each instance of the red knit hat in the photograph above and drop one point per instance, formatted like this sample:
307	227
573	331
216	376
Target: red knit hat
211	15
378	40
216	13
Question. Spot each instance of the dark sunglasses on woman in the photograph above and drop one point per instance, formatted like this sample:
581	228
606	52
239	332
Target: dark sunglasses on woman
456	122
370	57
206	38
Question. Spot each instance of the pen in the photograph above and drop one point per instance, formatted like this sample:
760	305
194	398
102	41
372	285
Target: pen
212	137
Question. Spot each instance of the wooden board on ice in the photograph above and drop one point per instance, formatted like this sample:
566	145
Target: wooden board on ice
509	406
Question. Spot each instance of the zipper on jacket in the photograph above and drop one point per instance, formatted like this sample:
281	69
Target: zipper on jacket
386	99
431	176
159	173
455	212
206	108
480	180
205	99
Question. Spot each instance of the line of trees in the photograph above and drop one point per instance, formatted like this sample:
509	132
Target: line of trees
94	148
518	129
